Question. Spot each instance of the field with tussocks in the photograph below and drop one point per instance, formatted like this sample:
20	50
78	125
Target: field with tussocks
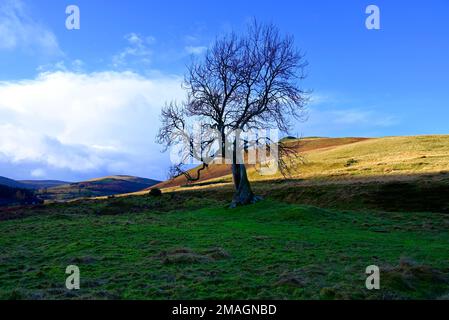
189	247
350	203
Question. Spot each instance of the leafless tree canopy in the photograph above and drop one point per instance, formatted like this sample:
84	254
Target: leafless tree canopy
244	82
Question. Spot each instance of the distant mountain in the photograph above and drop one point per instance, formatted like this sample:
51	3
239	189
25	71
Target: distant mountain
13	183
31	184
42	184
62	190
98	187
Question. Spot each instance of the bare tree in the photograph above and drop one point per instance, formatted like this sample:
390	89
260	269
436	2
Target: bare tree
245	82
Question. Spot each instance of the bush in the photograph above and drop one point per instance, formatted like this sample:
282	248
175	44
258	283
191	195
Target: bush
351	162
155	192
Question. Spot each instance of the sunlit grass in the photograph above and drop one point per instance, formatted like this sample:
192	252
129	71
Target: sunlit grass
188	248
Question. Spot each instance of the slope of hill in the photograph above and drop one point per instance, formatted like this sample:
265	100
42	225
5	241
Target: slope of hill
42	184
217	172
332	159
392	174
31	184
13	183
381	157
105	186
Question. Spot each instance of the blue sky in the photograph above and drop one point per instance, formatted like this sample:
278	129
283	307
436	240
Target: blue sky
76	104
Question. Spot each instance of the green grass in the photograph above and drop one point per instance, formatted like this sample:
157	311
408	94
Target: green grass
179	247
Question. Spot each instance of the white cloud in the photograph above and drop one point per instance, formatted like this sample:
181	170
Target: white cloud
18	30
76	65
105	121
38	173
196	50
137	51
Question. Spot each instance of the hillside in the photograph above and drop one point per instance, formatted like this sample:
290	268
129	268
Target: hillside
216	171
105	186
13	183
31	184
389	156
42	184
337	159
387	174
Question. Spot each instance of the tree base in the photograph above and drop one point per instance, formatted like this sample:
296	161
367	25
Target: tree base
250	200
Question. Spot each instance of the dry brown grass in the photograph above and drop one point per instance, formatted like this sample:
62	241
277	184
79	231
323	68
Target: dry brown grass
346	160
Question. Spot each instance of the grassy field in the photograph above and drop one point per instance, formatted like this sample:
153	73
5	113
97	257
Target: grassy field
351	203
187	247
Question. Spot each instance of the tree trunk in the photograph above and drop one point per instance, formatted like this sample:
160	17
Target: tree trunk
243	194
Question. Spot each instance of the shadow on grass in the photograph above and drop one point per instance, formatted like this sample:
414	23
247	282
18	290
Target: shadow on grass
411	193
403	193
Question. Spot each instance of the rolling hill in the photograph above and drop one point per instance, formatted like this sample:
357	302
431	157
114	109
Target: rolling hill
31	184
336	159
105	186
13	183
216	172
42	184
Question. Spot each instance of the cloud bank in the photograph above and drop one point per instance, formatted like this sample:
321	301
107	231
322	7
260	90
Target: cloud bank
79	124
